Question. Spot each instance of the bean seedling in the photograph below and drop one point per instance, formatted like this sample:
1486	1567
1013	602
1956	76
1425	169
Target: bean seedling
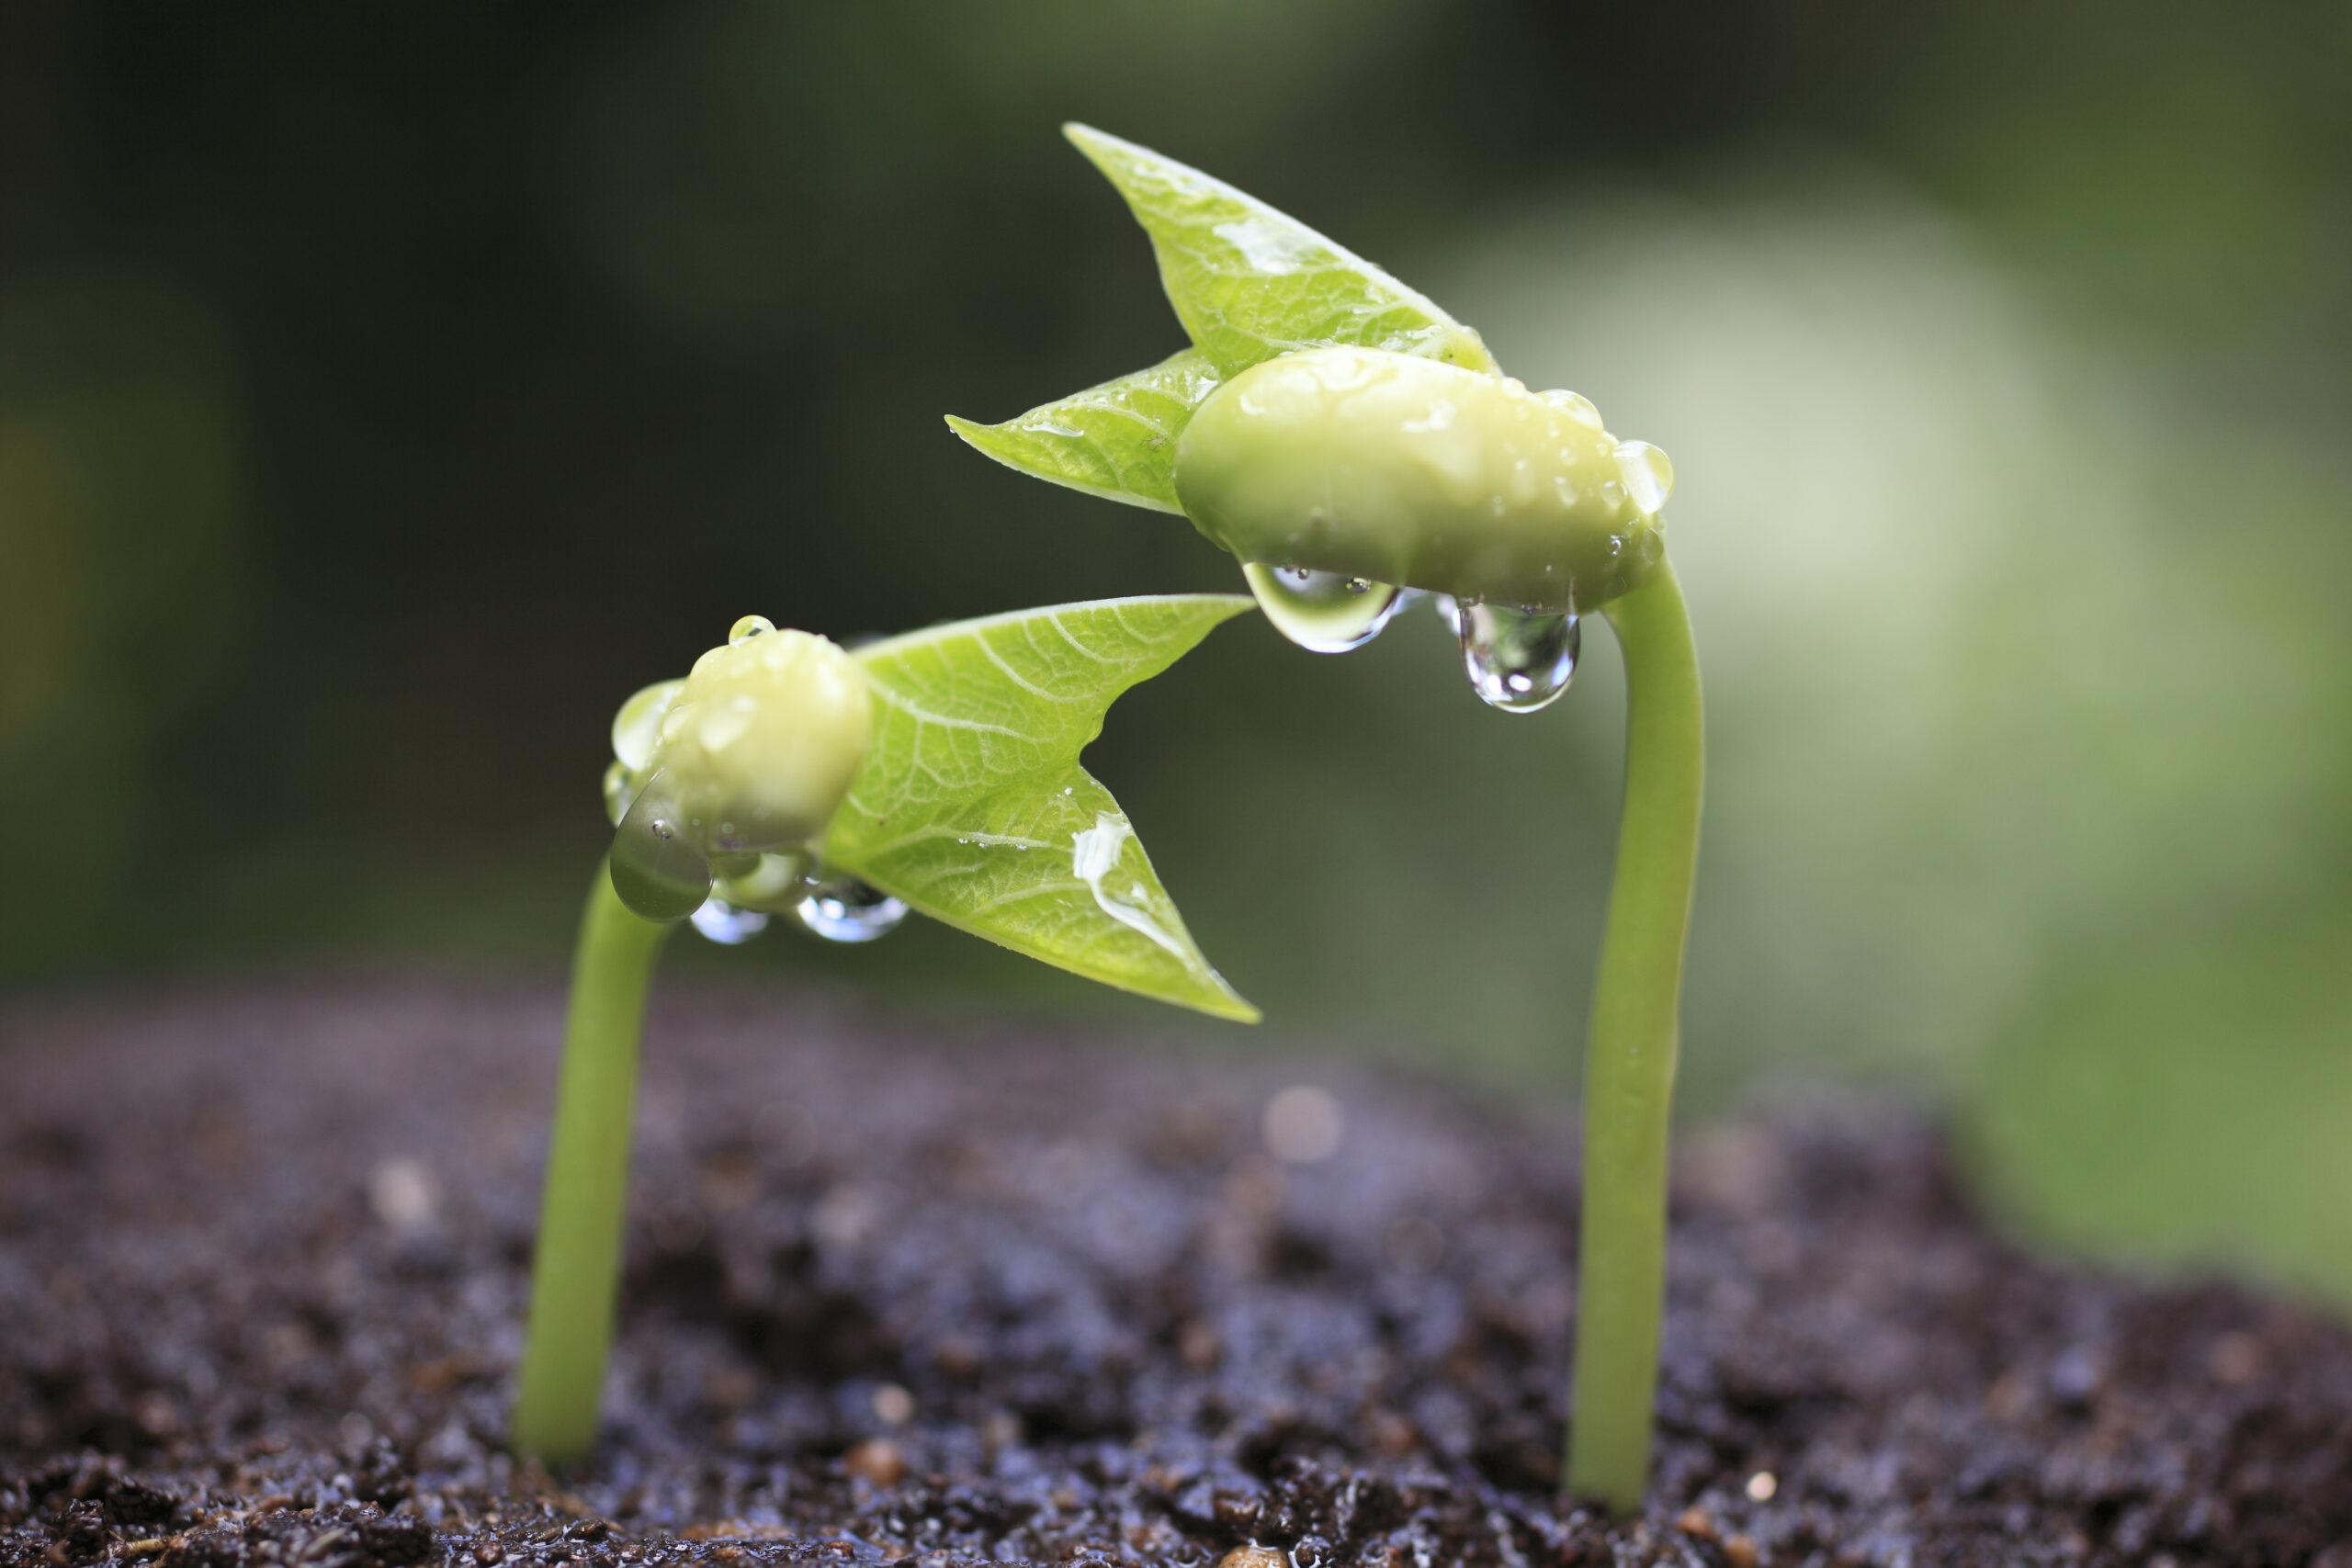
1352	444
936	772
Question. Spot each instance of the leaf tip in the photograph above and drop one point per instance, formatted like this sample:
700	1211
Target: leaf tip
1101	149
1215	997
988	440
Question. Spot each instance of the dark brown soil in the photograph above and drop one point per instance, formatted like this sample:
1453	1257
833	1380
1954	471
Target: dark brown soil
895	1297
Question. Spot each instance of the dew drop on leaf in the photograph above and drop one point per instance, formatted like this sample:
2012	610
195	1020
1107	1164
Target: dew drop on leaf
725	924
1323	612
1518	661
843	908
747	628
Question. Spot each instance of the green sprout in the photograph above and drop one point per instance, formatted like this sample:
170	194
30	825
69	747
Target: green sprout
1351	443
936	772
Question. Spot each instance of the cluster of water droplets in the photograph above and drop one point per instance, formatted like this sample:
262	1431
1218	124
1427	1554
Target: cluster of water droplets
825	903
832	907
1518	661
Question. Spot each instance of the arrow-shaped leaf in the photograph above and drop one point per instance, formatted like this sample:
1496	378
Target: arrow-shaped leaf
973	809
1117	440
1250	282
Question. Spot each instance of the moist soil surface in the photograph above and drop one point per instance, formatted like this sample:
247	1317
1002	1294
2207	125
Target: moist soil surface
895	1295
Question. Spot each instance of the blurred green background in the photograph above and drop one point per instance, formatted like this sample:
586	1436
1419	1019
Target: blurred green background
386	392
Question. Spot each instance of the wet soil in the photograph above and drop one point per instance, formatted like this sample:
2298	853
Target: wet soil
899	1297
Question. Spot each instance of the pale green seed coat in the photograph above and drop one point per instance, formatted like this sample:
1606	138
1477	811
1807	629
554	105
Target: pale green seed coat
1402	469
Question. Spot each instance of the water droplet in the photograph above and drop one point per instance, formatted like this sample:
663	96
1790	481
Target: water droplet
1323	612
1448	611
620	788
725	924
747	628
658	871
636	728
1576	406
1094	857
1518	660
843	908
1649	478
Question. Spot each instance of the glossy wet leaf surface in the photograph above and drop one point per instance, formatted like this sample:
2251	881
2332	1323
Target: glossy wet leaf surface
973	809
1247	282
1117	440
1250	282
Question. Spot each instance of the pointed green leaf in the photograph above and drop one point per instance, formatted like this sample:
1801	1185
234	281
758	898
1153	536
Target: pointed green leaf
1117	440
1249	282
973	809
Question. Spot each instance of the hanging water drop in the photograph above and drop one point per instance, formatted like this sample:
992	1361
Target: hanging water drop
658	871
1323	612
1518	660
1649	478
843	908
725	924
747	628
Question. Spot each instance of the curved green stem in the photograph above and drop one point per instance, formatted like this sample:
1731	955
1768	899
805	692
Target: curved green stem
1629	1060
577	1272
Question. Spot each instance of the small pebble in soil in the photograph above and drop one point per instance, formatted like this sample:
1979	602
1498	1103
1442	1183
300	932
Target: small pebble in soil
893	1405
1253	1557
403	1194
1303	1125
877	1461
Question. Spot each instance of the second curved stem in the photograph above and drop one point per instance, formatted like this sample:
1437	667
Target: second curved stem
1630	1054
576	1274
